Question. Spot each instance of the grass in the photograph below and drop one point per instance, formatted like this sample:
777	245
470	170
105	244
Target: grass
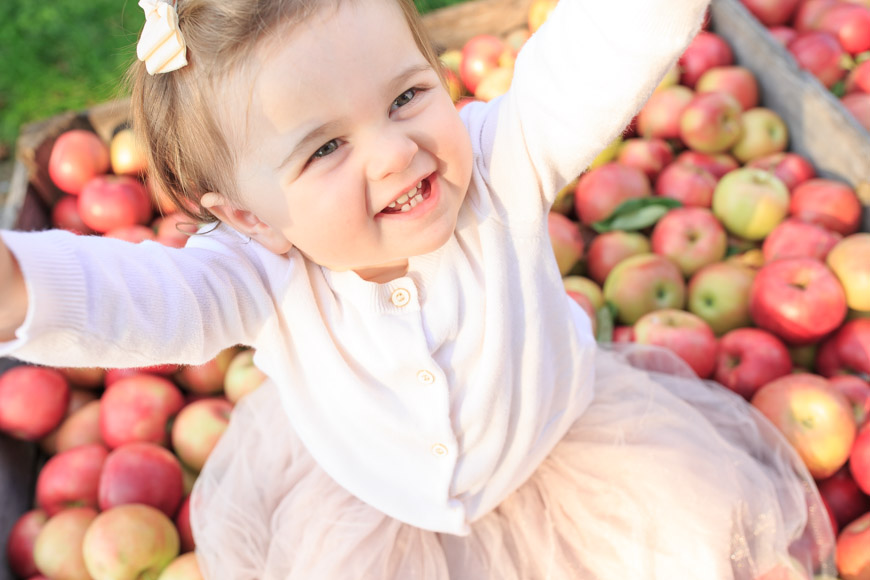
64	55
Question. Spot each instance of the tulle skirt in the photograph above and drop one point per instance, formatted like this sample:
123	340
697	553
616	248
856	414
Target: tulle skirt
664	476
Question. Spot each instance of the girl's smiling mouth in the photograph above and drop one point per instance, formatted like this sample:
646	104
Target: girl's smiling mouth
410	199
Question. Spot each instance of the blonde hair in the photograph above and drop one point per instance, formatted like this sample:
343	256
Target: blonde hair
174	113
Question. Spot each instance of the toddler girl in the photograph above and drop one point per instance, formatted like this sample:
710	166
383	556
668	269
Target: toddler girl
437	406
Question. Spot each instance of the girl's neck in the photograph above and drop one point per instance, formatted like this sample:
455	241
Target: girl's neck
383	273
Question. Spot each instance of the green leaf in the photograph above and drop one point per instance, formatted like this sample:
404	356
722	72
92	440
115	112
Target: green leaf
839	89
636	214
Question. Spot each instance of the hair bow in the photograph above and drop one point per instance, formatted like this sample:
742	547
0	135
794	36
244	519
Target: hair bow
161	46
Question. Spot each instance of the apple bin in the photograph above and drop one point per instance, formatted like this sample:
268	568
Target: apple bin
820	129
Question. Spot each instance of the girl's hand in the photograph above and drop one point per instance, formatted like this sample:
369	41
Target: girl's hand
13	294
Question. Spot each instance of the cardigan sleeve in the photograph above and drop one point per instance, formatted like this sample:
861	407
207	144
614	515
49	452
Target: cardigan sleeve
95	301
577	83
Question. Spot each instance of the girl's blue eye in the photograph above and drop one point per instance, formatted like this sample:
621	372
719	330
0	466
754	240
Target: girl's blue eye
326	149
403	99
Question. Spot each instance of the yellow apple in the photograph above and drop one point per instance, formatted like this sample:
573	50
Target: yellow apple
850	261
539	11
585	286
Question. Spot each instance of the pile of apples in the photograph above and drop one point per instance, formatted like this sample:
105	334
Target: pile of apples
698	230
122	450
828	38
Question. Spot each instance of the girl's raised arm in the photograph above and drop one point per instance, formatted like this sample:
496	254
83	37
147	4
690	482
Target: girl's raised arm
13	294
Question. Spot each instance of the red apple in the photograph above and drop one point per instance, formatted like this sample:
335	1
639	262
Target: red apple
847	351
198	428
843	497
182	524
107	202
127	154
129	541
480	55
81	427
138	408
65	215
736	80
243	376
20	542
857	390
848	260
850	23
798	299
763	132
716	163
643	283
601	190
792	168
691	237
829	203
793	238
706	50
859	459
659	118
33	401
719	293
174	229
77	156
782	34
566	241
772	12
78	399
858	79
859	105
711	122
808	12
71	478
208	377
134	233
649	155
853	550
609	248
144	473
687	335
690	184
750	202
819	53
749	358
814	418
58	548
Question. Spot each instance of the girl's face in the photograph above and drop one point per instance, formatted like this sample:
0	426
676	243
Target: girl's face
351	149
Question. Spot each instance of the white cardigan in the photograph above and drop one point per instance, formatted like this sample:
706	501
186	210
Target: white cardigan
430	397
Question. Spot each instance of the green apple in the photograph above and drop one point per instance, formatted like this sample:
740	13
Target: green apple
644	283
764	132
750	202
719	294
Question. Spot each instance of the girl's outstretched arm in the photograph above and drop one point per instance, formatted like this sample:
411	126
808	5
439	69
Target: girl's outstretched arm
13	294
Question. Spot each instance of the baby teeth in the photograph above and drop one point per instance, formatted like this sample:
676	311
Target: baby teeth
407	200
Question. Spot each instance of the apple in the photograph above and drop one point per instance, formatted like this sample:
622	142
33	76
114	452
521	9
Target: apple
107	202
763	132
480	55
494	83
792	168
77	156
750	202
70	478
206	378
772	12
749	358
139	408
659	117
33	401
609	248
687	335
242	376
819	53
586	286
859	105
814	418
129	541
144	473
848	260
808	12
126	153
198	428
78	399
719	294
782	34
690	184
858	79
829	203
716	163
853	550
705	51
539	11
710	123
857	390
843	497
20	542
65	215
649	155
671	78
601	190
623	333
586	304
736	80
792	238
58	547
847	351
566	241
84	377
643	283
81	427
859	460
691	237
184	567
174	229
115	375
850	23
133	233
797	299
182	524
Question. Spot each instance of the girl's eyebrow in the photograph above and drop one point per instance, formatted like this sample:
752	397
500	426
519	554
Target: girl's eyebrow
321	132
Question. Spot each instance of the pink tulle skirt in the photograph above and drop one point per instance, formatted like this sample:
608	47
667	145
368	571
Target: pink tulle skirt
664	476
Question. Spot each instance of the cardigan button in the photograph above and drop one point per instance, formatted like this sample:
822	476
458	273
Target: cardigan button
439	450
425	377
400	297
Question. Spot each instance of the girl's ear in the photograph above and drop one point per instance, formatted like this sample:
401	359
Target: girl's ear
245	222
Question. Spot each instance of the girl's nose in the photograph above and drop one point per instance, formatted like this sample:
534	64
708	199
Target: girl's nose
392	151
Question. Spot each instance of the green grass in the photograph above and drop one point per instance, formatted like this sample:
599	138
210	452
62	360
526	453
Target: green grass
62	55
